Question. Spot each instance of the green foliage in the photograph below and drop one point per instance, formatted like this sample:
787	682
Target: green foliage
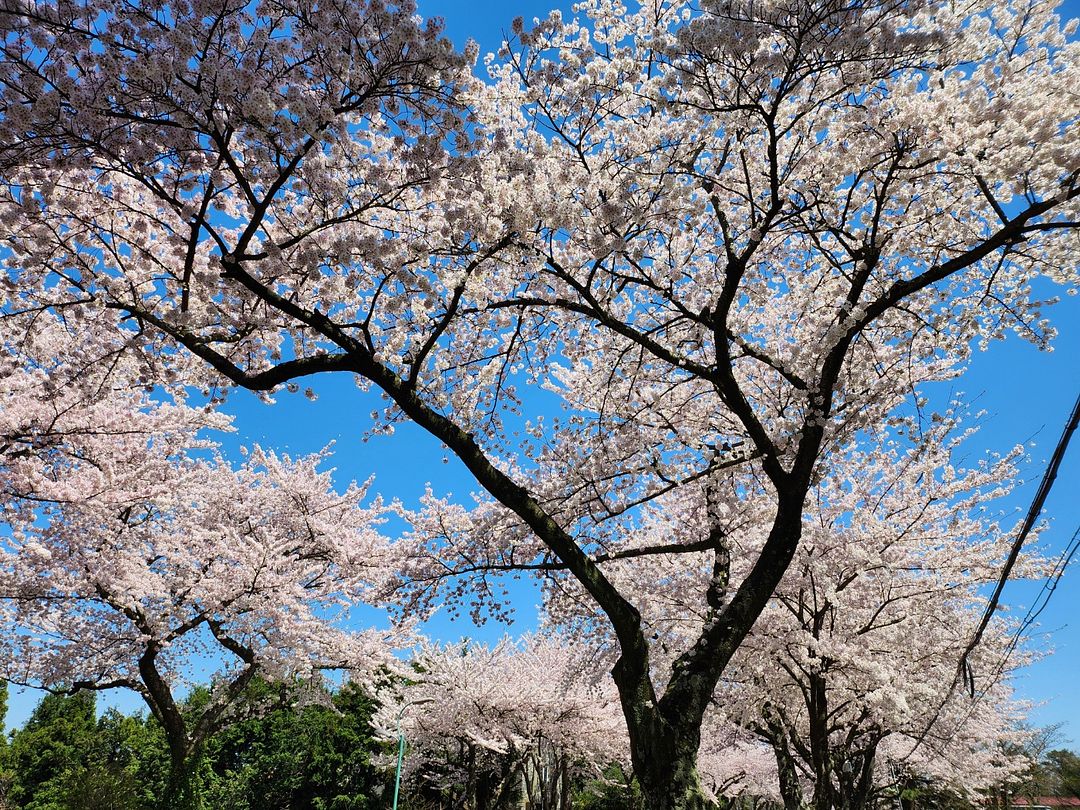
1061	773
311	757
130	754
614	790
923	795
49	753
287	751
65	759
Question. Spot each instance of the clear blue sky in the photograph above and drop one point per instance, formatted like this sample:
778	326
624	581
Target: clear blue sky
1027	394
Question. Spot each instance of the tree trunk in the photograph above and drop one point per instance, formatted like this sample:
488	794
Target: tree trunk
790	788
665	732
822	755
863	789
665	763
672	783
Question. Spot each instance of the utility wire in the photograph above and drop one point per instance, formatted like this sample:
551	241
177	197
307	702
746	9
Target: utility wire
963	669
1052	581
1042	599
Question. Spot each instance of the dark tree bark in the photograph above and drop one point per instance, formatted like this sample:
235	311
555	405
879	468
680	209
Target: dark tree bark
775	732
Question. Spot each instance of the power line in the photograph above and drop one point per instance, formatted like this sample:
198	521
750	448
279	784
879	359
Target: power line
963	667
1045	592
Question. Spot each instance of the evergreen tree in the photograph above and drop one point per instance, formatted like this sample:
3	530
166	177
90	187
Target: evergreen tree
1063	770
126	766
5	769
312	751
51	751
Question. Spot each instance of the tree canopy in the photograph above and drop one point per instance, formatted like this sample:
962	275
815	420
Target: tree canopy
733	240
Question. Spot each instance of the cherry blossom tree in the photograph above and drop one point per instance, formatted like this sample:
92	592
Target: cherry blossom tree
862	642
530	716
730	236
734	766
487	723
849	708
136	554
849	673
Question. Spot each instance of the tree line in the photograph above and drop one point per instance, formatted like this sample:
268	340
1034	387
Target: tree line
306	747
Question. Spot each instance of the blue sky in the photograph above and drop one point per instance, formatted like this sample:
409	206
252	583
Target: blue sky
1026	393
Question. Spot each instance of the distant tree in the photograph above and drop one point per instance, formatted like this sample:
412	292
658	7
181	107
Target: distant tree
50	752
312	750
290	748
1033	744
136	549
523	718
1063	769
64	759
